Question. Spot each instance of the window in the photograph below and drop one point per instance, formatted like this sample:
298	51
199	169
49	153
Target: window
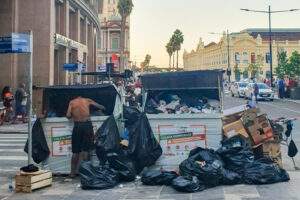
99	43
115	43
245	58
237	57
267	57
253	58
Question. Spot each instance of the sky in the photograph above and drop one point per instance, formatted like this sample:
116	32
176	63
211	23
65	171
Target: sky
154	21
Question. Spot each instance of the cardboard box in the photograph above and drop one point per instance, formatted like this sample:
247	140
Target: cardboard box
250	115
261	129
235	128
269	148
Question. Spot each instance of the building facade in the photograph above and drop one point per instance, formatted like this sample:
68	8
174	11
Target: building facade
62	30
245	47
110	34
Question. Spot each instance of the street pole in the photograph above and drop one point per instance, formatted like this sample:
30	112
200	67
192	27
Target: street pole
30	100
228	58
270	32
270	40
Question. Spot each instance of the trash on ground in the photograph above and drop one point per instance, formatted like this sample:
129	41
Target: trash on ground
99	177
158	177
188	184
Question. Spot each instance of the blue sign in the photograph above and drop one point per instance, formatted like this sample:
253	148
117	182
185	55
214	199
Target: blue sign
16	43
267	57
73	67
101	68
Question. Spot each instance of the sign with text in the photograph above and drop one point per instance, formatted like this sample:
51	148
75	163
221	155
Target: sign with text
16	43
61	140
62	40
178	141
74	67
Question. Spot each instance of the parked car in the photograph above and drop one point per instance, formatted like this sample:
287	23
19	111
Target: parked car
265	93
238	89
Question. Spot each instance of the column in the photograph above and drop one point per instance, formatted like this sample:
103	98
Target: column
77	25
64	51
108	41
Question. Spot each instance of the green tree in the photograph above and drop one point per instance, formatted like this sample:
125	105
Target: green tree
283	65
294	65
173	47
125	9
170	52
255	68
288	67
146	62
177	40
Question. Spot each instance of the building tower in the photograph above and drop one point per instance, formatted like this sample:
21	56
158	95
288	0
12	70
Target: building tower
109	43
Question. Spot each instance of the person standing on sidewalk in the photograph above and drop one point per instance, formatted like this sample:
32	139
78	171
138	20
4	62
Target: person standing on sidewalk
7	99
281	88
21	102
256	91
83	133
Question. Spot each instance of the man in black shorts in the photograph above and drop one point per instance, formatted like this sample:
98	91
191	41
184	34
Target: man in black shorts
83	133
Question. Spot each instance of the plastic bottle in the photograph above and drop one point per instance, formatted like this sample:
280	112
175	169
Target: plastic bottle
10	187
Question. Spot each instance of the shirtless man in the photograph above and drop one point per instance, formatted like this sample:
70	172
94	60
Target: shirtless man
82	135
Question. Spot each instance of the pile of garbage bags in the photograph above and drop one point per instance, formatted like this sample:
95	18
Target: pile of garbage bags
181	104
233	163
118	162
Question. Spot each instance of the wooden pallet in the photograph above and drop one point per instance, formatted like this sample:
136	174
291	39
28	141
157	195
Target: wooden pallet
27	182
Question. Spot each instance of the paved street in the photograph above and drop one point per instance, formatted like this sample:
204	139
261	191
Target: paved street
12	157
72	190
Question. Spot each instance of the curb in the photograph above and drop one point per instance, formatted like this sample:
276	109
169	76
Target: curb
289	100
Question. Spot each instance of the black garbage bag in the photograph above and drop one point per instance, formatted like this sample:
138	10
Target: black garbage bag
231	178
131	115
153	110
289	128
143	146
262	171
40	150
205	164
123	166
100	177
236	153
108	139
188	184
292	150
158	177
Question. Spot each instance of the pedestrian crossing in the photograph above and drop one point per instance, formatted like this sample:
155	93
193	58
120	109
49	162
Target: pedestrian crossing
12	155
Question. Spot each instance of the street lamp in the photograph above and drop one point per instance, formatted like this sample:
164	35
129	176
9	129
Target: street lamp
270	37
228	55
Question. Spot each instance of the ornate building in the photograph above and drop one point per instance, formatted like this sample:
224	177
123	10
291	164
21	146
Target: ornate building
110	22
244	48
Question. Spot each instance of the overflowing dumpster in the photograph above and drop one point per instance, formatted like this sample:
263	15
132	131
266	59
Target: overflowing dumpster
180	113
58	129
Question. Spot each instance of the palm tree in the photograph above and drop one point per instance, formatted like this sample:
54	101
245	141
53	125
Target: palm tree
125	9
170	52
173	47
177	41
147	60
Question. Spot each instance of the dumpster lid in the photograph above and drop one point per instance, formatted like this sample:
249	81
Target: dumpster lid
204	79
76	87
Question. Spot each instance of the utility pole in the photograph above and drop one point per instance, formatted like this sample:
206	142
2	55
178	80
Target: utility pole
270	32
